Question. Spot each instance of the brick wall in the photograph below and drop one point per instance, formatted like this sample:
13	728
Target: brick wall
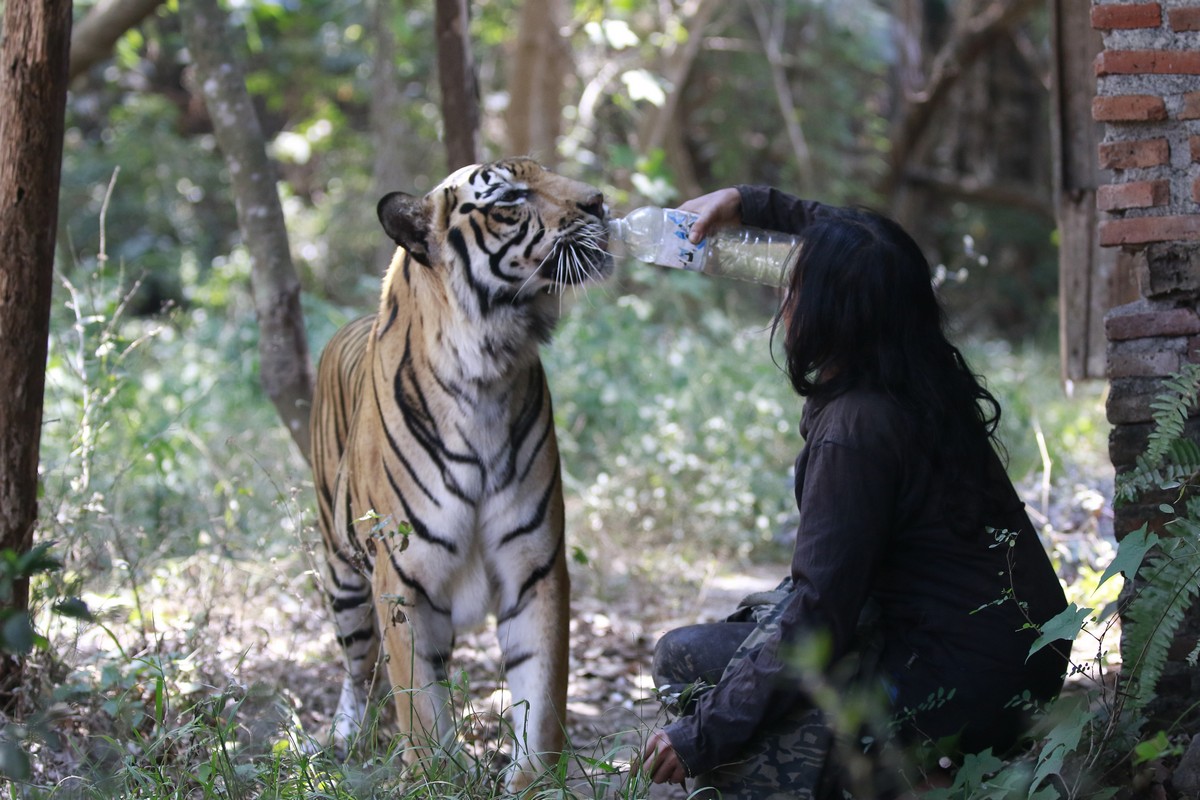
1148	97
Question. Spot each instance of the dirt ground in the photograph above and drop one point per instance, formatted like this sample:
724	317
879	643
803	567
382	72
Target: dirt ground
272	648
610	700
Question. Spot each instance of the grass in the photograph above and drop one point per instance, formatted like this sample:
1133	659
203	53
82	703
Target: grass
184	518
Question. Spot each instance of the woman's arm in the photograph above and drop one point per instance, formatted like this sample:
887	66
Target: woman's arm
756	206
771	209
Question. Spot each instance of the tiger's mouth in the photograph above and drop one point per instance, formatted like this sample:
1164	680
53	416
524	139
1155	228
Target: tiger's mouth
578	257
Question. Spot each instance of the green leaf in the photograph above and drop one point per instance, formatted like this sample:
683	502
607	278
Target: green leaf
1153	748
1046	793
975	768
1071	717
160	699
38	559
17	634
74	608
14	762
1130	552
1064	625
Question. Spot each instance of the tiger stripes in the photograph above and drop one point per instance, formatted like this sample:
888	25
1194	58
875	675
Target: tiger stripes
435	460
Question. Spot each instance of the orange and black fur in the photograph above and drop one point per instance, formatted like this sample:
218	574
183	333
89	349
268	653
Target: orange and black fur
435	412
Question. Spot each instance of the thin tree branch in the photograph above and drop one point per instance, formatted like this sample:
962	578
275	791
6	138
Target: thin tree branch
97	33
966	187
771	33
965	46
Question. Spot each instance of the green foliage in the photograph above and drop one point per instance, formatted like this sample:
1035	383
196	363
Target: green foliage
1040	428
138	461
18	638
311	70
1167	586
16	629
675	425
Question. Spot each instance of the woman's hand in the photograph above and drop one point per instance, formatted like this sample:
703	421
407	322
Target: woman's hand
660	761
716	209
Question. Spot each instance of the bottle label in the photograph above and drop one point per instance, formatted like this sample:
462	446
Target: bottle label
674	249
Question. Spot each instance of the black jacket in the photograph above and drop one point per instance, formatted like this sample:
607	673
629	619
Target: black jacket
872	527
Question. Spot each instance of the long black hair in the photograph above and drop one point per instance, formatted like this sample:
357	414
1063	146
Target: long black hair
860	312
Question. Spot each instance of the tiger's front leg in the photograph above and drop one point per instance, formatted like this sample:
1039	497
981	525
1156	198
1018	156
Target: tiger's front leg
354	622
533	631
417	642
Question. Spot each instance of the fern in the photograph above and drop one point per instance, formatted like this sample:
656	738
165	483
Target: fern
1168	584
1176	466
1169	579
1170	460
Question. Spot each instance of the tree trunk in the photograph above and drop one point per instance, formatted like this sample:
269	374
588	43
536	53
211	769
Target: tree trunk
393	165
287	373
677	66
33	96
94	37
540	65
456	77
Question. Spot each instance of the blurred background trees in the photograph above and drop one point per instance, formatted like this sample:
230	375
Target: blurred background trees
933	109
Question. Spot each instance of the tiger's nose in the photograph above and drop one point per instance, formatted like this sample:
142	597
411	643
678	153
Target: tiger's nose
594	205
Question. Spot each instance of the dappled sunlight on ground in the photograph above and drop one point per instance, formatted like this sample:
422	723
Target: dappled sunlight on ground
256	639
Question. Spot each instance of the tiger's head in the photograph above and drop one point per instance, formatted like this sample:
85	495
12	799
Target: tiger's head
508	232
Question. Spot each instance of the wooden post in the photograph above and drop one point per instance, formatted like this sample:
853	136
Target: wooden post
1086	271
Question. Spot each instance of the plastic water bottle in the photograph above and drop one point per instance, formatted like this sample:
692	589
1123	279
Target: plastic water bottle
660	236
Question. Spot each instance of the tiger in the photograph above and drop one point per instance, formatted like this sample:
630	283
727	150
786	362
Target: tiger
434	455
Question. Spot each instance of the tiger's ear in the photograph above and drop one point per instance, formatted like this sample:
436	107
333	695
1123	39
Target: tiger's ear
405	220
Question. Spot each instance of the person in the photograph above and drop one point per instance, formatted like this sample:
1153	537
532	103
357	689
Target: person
906	518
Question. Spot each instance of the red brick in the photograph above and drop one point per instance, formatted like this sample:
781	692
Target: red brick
1148	62
1129	108
1191	106
1138	194
1126	15
1134	154
1137	321
1141	230
1185	19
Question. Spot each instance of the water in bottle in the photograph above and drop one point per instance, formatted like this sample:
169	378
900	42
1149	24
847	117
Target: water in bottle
660	236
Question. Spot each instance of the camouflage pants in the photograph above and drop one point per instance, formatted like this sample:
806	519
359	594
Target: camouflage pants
790	760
